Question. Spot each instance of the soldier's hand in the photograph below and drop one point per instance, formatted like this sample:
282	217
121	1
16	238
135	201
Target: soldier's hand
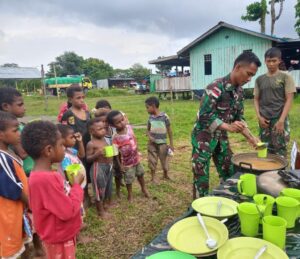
279	127
263	122
253	141
237	126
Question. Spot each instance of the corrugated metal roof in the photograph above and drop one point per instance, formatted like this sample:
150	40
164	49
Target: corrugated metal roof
229	26
19	73
171	60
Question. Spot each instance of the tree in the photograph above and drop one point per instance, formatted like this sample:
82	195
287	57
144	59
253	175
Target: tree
275	17
138	72
68	63
297	24
257	11
10	65
121	73
162	69
97	69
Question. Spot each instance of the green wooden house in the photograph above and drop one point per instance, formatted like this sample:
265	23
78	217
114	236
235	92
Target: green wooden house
212	54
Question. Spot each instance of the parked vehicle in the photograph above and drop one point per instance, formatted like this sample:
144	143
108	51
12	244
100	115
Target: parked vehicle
54	84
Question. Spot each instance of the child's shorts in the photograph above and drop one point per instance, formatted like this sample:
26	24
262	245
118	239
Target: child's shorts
155	152
64	250
132	172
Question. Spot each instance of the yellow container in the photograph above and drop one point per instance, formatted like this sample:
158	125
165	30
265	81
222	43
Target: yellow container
262	150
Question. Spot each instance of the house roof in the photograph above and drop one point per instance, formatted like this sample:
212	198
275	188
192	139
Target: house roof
19	73
184	51
174	60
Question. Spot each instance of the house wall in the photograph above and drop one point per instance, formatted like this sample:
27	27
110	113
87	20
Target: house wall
223	52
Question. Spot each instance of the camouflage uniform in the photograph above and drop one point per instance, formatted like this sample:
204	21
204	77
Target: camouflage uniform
221	102
277	143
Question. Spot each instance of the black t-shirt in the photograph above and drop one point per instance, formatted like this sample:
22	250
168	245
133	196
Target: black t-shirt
77	124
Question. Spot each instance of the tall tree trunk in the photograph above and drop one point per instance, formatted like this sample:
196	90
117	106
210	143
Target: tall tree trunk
263	16
272	3
274	18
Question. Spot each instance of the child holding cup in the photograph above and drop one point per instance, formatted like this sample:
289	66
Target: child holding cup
101	170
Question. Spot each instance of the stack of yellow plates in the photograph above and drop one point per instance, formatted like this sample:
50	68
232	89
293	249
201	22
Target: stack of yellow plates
209	206
188	236
247	248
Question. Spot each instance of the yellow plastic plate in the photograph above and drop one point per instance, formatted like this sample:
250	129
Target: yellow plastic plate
208	206
247	247
170	255
188	236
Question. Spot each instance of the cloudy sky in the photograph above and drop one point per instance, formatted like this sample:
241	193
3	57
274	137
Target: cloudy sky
121	32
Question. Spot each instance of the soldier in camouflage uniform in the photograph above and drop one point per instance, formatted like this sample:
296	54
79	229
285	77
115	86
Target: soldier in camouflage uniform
221	110
273	96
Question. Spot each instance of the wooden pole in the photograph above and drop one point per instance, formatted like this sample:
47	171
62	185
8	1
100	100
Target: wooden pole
44	87
57	89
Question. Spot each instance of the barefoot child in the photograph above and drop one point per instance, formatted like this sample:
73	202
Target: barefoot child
157	130
77	117
11	101
13	190
72	155
101	170
125	141
56	211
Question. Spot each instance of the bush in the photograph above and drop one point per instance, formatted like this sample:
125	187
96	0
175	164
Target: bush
108	92
248	93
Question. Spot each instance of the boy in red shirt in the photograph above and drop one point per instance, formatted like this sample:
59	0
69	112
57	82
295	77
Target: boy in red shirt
55	209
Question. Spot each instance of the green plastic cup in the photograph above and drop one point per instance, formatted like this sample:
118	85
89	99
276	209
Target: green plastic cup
274	230
291	192
247	185
265	203
288	208
72	170
249	218
109	151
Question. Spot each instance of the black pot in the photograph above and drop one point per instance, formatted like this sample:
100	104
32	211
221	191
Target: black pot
241	164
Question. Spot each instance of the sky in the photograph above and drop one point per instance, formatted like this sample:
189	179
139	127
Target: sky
120	32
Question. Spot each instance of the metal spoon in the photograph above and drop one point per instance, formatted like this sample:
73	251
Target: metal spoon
211	243
219	205
260	252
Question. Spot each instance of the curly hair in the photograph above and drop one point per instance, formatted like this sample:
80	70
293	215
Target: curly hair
7	95
110	117
72	89
37	135
103	104
153	100
92	122
64	129
4	118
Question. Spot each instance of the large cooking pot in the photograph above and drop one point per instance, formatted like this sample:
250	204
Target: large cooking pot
250	163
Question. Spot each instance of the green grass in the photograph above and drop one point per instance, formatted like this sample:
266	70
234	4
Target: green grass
134	225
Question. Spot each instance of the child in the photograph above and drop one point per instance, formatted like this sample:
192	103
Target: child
56	211
101	170
103	107
126	142
72	155
77	118
11	101
158	128
273	97
13	190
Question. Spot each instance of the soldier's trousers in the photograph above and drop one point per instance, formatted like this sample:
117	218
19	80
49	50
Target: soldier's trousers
221	153
277	143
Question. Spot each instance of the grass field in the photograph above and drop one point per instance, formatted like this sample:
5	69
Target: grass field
134	225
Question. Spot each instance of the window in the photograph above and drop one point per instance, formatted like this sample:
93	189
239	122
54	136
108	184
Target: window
247	50
207	64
